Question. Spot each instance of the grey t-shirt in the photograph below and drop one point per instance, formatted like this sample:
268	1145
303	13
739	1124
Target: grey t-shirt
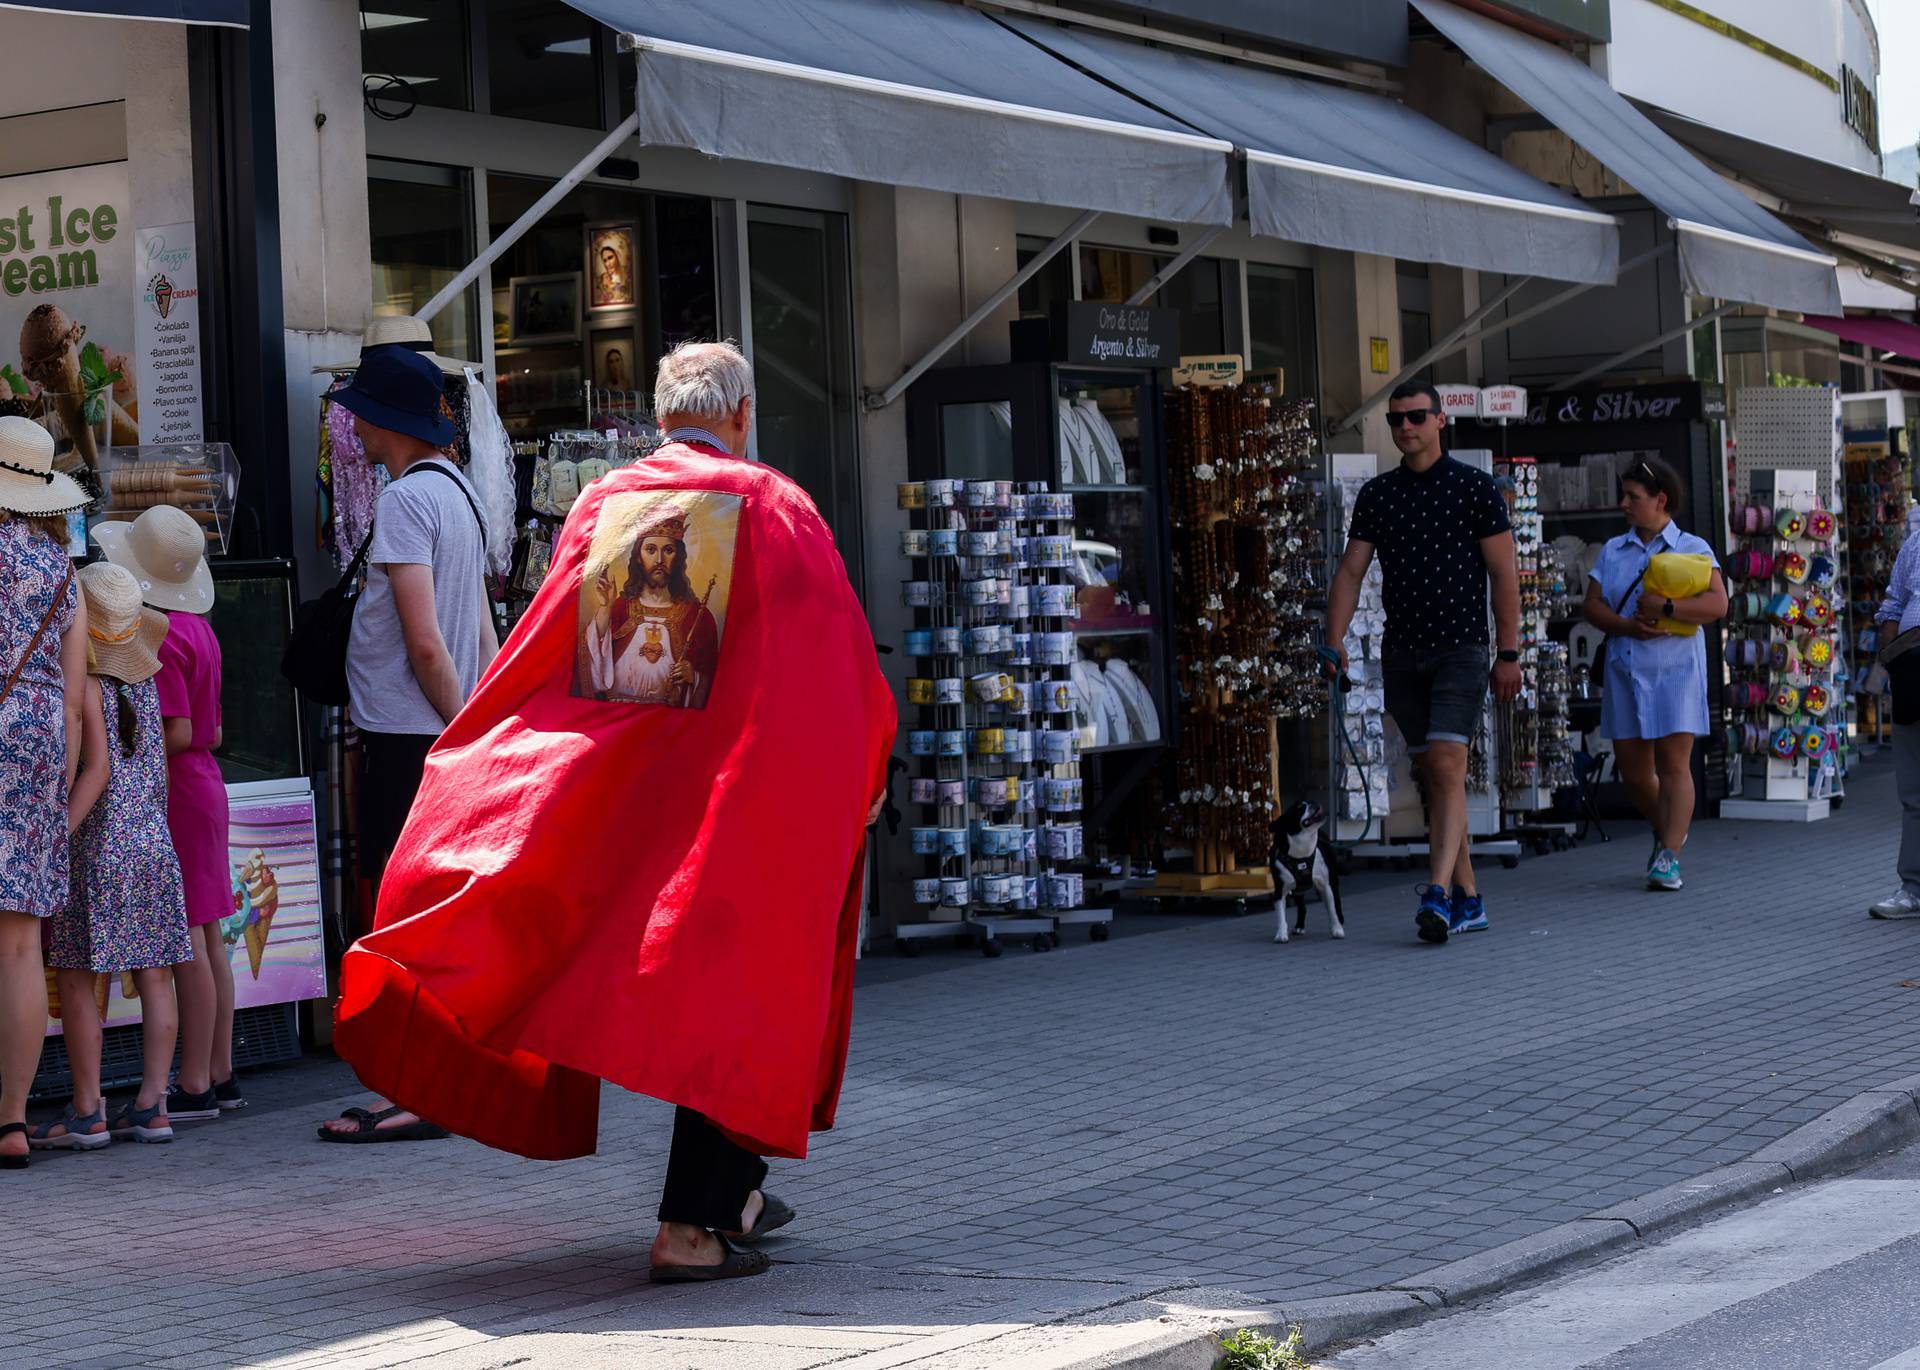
421	519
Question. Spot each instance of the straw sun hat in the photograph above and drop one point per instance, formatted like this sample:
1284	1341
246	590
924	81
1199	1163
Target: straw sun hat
123	637
28	483
401	330
167	552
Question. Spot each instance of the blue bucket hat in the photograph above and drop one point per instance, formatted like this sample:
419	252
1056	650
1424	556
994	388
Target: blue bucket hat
397	388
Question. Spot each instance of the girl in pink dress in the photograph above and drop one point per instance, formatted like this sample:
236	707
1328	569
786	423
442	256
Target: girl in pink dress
166	551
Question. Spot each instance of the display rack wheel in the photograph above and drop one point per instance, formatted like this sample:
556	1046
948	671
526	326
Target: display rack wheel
1562	842
1040	942
908	946
1838	801
1098	932
990	947
1240	907
1509	863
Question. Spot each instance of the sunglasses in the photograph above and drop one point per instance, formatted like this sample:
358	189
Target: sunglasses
1416	417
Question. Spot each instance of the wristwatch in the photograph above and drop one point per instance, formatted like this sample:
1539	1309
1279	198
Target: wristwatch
1668	613
1506	654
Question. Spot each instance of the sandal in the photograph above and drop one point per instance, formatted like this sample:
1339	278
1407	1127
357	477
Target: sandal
15	1162
78	1136
737	1264
137	1124
368	1128
774	1215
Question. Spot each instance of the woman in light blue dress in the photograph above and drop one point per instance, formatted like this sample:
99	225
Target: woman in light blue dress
1653	701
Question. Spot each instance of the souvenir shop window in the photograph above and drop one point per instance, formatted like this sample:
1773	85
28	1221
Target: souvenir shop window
420	219
543	62
1199	292
1281	325
415	52
803	359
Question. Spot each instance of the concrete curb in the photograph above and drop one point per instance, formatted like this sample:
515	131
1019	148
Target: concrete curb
1866	1125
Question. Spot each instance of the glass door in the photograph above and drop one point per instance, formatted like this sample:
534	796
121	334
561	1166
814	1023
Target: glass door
800	304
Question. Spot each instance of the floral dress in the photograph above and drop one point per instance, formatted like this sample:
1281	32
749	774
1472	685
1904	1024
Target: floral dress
33	731
128	910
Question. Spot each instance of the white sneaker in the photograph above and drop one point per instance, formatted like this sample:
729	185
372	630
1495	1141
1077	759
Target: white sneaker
1902	903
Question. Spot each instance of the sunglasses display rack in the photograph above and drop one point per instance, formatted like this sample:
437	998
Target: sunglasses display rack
1361	791
1534	746
1785	651
1879	492
998	797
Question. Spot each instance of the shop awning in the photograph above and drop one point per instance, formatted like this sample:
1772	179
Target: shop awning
1889	335
909	92
1346	169
1807	188
233	13
1729	248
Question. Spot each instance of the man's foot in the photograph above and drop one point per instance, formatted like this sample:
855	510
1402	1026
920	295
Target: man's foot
183	1107
1435	916
1902	903
1664	874
1469	912
689	1255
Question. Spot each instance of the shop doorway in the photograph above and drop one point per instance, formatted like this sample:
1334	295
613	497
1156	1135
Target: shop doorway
800	304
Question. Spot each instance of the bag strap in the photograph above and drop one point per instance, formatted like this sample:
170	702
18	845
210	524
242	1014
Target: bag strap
1631	588
458	484
46	621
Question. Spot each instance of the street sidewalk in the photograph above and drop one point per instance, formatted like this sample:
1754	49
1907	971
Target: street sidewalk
1046	1158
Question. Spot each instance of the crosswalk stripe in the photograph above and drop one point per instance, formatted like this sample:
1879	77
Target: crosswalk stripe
1906	1360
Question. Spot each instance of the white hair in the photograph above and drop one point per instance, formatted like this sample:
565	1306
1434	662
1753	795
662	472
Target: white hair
703	380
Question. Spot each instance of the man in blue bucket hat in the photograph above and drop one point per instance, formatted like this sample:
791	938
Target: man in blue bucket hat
423	628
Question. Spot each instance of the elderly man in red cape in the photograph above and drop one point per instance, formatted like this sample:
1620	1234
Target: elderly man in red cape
513	967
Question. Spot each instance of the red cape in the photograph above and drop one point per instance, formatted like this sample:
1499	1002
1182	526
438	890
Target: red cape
665	897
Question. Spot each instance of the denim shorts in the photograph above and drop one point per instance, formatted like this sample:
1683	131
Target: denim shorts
1436	696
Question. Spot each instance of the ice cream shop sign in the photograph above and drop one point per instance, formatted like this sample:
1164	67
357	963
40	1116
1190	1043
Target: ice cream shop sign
57	249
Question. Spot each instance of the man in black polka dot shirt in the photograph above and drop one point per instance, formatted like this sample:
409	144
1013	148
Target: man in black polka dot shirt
1441	531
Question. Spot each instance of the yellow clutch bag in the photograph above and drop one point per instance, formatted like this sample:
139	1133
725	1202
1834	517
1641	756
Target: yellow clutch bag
1679	575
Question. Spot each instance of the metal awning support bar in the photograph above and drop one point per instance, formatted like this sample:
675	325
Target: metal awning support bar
1446	349
880	399
535	213
1177	265
1439	349
1648	345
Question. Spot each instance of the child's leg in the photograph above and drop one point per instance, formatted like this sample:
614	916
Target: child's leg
220	1053
159	1028
80	1025
193	983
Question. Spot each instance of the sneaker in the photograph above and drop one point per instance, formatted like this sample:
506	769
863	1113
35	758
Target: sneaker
1664	874
1469	912
227	1094
183	1107
1902	903
1435	916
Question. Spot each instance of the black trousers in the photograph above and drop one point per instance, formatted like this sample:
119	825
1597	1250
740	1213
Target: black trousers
389	779
708	1177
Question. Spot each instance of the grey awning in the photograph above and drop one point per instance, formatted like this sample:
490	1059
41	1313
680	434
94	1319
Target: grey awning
1851	201
1342	168
909	92
1729	248
233	13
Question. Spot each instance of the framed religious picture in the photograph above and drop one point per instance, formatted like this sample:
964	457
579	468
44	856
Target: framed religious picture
653	597
614	360
544	309
610	266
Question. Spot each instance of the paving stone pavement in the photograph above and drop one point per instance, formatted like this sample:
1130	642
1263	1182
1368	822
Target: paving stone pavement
1193	1119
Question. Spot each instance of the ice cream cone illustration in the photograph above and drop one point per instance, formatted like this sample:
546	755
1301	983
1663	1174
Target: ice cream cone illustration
263	895
129	990
102	987
50	355
162	291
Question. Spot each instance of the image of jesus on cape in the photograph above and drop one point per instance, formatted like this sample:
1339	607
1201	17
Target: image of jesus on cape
652	640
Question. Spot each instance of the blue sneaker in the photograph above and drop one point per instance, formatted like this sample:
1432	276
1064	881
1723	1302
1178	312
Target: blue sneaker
1469	912
1664	874
1435	917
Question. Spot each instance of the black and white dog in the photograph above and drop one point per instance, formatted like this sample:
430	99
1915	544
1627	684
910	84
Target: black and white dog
1303	858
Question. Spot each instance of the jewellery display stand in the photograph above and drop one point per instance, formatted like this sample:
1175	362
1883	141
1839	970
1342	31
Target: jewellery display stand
1877	467
1792	767
1537	760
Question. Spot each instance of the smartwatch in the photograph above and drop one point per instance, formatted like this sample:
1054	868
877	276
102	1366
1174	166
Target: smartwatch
1506	654
1669	609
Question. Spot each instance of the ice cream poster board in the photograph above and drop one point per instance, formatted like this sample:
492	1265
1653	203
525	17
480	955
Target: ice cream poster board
67	303
273	936
166	354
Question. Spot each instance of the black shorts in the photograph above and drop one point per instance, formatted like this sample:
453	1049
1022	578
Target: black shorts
1436	696
393	764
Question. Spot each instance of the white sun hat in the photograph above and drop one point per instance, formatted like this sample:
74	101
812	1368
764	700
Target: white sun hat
401	330
28	483
166	549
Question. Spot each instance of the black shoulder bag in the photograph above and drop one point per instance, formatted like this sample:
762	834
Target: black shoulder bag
1597	672
315	661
